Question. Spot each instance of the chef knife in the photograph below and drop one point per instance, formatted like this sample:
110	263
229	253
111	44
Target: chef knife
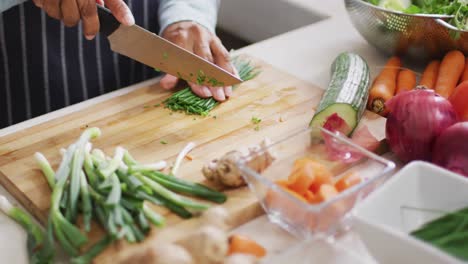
148	48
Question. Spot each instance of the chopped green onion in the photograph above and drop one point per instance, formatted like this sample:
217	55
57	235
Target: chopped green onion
256	120
186	101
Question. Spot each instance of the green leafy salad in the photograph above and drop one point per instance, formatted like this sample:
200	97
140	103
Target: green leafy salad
456	8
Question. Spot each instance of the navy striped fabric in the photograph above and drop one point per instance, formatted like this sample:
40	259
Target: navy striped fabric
45	66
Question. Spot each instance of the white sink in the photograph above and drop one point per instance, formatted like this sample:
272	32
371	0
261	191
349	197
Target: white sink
256	20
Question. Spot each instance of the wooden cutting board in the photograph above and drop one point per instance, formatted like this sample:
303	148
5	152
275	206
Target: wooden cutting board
284	103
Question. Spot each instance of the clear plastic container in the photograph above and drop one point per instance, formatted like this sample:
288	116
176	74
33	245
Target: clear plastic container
303	219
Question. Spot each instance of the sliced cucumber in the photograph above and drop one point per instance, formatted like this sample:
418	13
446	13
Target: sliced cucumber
347	92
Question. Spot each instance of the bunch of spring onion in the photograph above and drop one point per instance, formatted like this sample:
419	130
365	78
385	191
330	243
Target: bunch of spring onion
448	233
113	191
186	101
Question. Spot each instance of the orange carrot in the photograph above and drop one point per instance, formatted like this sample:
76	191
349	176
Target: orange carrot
347	181
406	81
384	86
294	194
327	192
465	72
300	162
311	197
322	176
301	178
450	71
429	77
282	182
243	245
459	100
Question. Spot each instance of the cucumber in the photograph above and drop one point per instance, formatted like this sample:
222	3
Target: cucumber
347	92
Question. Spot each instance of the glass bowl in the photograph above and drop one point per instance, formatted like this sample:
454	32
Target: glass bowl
327	218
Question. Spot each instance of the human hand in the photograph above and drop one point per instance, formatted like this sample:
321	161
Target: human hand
199	40
72	11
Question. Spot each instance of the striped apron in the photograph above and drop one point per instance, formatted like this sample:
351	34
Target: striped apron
45	66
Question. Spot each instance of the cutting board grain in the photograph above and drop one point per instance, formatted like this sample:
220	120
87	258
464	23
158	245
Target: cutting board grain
135	121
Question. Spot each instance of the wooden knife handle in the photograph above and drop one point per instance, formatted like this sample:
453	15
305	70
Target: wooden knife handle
108	22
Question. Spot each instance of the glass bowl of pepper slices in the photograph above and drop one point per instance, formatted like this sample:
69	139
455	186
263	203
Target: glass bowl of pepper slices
314	180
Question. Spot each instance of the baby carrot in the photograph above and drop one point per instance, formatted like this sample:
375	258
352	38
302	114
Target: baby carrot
450	71
347	181
465	72
294	194
311	197
327	192
406	81
243	245
384	86
429	77
282	183
301	179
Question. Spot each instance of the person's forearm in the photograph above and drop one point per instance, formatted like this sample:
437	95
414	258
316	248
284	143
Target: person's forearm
6	4
204	12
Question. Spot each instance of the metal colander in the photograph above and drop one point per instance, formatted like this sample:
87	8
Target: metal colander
417	36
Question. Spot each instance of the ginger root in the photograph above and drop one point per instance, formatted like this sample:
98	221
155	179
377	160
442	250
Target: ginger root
224	170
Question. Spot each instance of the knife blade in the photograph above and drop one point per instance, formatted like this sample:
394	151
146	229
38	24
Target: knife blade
150	49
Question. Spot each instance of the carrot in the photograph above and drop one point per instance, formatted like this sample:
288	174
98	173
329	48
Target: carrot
301	178
347	181
459	100
294	194
406	81
282	182
322	176
311	197
300	162
384	86
450	71
239	244
465	72
429	77
327	192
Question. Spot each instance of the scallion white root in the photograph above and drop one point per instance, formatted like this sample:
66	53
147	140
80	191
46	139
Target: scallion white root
62	151
5	205
46	168
186	150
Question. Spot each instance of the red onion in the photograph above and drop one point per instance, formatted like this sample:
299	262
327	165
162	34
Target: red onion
339	151
415	120
451	149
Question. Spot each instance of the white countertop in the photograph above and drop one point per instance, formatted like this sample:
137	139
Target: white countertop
307	53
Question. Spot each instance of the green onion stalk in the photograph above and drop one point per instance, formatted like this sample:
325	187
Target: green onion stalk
190	103
448	232
114	192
